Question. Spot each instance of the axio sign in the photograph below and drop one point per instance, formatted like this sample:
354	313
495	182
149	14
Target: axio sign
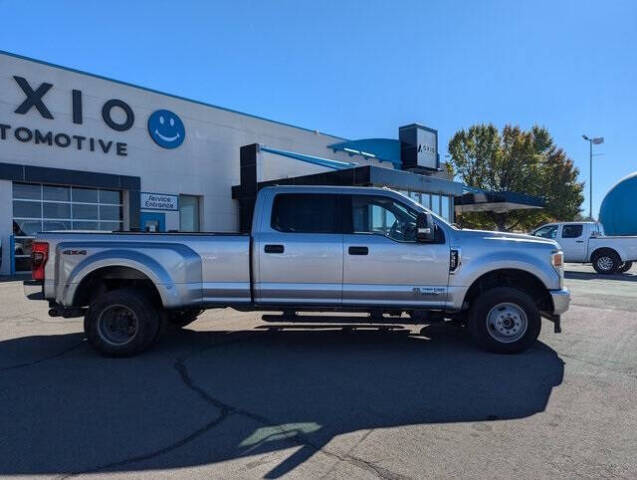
418	147
165	127
427	153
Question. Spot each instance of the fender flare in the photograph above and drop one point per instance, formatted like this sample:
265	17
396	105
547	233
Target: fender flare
124	258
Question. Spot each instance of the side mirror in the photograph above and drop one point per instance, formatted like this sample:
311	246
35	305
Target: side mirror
425	228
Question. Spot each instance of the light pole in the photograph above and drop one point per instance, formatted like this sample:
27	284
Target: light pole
591	141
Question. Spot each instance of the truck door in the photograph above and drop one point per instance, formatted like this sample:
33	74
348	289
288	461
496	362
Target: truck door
383	264
572	239
300	251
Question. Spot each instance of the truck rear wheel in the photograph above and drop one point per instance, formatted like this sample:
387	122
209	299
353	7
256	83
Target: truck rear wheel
606	261
505	320
122	323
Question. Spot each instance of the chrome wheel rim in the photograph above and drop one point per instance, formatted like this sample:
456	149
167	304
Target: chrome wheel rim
605	263
117	325
507	322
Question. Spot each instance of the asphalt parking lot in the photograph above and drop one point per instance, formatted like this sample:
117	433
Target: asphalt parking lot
229	398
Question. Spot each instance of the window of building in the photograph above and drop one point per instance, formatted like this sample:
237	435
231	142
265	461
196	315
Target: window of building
305	213
41	208
572	231
435	203
440	204
188	213
445	209
384	216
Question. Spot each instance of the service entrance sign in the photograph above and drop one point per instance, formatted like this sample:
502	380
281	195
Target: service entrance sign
159	201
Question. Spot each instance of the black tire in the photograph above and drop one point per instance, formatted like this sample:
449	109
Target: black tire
624	267
182	318
606	261
504	320
122	323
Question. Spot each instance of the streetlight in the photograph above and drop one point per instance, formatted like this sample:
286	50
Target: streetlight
591	141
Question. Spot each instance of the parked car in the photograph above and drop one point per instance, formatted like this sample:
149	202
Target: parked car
310	249
585	242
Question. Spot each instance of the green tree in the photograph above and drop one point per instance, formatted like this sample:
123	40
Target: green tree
515	161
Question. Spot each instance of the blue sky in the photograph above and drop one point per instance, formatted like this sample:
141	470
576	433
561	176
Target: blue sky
360	69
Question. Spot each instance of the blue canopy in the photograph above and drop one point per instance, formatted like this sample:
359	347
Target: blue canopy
383	149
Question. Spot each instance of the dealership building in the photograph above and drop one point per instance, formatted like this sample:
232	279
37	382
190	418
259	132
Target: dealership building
84	152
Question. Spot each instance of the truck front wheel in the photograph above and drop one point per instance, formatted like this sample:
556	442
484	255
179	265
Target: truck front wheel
121	323
505	320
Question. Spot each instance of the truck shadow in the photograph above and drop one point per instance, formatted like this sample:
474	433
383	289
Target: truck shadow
625	277
206	397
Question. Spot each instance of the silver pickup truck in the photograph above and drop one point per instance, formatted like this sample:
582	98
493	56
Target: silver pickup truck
311	249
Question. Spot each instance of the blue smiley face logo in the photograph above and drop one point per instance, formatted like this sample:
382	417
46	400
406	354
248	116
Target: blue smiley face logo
166	129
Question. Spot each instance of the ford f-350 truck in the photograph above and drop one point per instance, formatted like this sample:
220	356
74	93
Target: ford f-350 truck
311	248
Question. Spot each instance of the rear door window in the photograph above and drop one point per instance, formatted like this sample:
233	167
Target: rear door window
572	231
306	213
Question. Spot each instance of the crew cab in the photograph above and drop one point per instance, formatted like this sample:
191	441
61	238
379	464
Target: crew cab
585	242
311	248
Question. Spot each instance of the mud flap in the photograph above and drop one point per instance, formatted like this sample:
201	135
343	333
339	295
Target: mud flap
556	319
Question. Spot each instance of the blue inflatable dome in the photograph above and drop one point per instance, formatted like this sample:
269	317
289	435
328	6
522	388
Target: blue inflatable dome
618	213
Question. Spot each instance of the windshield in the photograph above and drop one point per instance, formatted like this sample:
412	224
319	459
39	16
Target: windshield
547	231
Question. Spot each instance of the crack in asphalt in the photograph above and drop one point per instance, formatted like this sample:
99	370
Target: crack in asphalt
225	412
40	360
300	439
148	456
185	378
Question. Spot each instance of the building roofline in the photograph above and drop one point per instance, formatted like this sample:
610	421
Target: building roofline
178	97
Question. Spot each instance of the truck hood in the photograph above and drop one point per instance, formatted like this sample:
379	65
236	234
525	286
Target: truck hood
521	238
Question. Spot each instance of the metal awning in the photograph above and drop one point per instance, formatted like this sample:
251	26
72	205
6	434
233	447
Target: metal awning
368	176
498	202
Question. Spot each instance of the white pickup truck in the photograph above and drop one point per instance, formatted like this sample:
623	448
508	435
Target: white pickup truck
585	242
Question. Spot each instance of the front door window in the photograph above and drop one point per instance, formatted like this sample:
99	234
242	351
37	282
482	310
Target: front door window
384	216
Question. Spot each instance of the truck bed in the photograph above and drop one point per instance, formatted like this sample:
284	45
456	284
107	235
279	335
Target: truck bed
188	269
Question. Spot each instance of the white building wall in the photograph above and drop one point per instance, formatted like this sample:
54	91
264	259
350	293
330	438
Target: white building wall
206	164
